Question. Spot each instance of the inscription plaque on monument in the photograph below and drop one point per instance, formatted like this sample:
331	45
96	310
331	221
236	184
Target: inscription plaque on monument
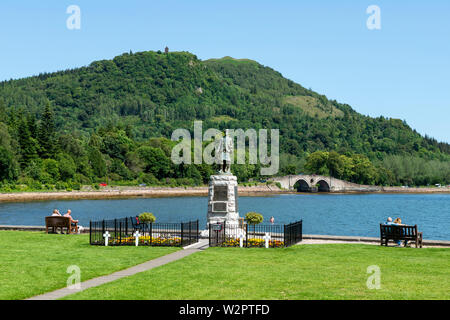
220	207
220	193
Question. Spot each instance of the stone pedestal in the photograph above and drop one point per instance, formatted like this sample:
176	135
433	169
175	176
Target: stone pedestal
222	200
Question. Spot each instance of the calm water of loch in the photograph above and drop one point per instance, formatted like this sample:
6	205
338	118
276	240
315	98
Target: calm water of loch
334	214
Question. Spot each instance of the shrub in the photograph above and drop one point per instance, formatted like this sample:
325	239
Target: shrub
46	178
254	218
149	179
170	182
51	168
60	185
114	177
6	188
147	217
76	186
185	181
66	166
81	178
34	170
34	185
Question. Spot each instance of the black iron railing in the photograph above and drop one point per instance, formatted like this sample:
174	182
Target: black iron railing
293	233
276	236
123	232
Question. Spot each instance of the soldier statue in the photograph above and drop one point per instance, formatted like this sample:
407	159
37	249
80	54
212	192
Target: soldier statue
223	153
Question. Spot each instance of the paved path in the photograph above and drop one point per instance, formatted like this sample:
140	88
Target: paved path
60	293
202	244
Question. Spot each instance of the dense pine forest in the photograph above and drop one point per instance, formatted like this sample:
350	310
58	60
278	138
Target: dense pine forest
112	121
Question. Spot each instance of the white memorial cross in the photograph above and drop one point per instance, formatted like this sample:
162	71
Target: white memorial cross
241	236
136	236
106	235
267	237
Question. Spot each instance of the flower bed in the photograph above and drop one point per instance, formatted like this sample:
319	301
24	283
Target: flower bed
253	243
153	241
120	232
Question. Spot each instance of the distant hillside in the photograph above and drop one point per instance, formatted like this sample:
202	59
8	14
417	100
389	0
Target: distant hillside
153	93
156	92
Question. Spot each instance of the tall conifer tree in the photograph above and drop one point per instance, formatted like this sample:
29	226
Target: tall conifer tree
47	133
28	145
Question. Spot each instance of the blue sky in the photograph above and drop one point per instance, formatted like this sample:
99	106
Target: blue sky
401	71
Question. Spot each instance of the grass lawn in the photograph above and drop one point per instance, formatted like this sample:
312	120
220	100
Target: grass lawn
32	263
334	271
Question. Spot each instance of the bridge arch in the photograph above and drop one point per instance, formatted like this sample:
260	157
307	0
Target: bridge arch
301	185
319	183
323	186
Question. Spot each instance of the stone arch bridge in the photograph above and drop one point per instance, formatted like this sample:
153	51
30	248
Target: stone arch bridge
318	183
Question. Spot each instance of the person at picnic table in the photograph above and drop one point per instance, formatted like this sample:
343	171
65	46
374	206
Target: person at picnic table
73	222
56	213
389	222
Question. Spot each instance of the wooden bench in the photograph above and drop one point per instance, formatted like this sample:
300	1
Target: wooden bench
137	224
399	233
56	222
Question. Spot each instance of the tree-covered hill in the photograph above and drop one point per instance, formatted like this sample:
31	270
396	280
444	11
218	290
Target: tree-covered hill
149	94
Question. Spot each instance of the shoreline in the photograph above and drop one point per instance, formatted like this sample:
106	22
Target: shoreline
129	192
307	238
151	192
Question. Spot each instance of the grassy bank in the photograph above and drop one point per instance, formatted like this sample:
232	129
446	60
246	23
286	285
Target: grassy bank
32	263
337	271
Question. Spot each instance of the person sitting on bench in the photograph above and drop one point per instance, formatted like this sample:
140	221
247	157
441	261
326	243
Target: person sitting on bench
390	223
73	223
56	213
398	222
